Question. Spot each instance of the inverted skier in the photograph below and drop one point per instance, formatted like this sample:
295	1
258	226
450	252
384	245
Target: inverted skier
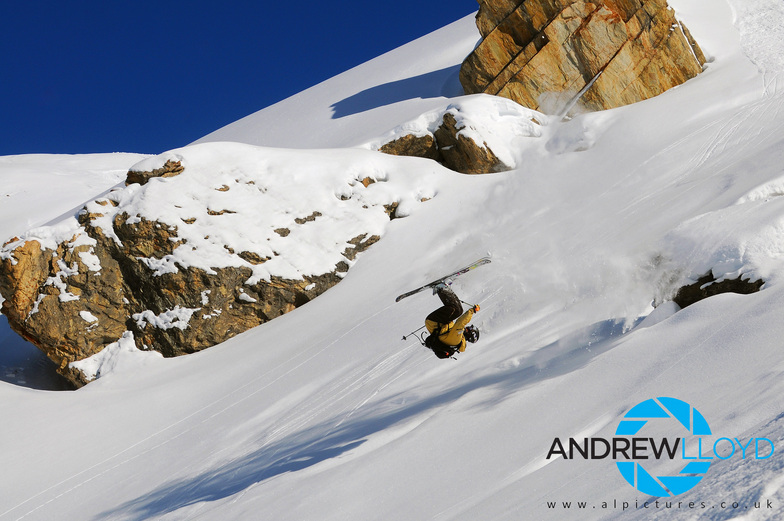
448	325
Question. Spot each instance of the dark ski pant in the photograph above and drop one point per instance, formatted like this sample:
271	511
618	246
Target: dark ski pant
451	309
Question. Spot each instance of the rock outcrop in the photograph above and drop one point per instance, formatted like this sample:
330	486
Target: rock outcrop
708	286
184	262
474	135
450	148
544	53
170	169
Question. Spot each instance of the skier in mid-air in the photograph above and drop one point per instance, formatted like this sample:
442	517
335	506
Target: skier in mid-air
448	325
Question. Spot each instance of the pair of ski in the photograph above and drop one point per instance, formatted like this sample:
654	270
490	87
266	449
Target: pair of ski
461	271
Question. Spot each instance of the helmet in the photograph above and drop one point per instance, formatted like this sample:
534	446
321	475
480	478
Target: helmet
471	334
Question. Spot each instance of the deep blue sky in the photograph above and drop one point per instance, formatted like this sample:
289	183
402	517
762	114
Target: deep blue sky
142	76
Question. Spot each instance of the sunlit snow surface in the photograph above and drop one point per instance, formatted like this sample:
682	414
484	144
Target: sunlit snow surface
325	413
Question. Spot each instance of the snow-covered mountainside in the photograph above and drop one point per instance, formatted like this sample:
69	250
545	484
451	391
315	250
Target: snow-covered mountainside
325	413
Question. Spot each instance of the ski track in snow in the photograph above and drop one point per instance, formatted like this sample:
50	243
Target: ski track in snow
718	136
513	479
302	417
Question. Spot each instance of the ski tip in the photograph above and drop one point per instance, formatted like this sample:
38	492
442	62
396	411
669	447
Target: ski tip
481	262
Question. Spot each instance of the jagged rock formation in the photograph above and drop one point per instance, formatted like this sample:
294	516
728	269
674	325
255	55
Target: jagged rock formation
414	146
542	53
170	169
707	286
450	148
473	135
83	285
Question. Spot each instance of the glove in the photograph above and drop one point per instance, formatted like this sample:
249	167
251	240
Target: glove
475	308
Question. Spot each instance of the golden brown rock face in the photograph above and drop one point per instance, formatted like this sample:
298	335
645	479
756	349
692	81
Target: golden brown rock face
543	53
450	148
73	300
170	169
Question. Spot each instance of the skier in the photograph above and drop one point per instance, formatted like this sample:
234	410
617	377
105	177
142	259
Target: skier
448	325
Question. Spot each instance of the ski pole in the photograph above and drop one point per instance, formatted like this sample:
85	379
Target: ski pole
405	337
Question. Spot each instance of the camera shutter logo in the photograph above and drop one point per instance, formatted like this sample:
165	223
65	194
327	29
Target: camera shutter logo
663	409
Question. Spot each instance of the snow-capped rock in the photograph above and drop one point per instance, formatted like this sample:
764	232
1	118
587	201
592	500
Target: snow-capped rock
202	244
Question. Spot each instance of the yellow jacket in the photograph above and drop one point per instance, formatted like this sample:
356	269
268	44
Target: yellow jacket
452	334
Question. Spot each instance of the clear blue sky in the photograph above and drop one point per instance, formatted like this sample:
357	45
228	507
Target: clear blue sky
141	76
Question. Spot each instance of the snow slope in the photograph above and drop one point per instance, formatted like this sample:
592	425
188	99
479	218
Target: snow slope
365	101
325	413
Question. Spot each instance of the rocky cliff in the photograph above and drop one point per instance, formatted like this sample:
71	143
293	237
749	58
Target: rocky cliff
202	244
543	54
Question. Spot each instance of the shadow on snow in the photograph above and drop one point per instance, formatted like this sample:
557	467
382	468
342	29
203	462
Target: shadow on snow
434	84
23	364
324	442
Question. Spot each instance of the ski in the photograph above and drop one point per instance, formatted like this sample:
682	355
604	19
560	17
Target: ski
473	265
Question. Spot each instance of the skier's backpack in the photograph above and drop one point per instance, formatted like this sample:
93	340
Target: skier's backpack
440	349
